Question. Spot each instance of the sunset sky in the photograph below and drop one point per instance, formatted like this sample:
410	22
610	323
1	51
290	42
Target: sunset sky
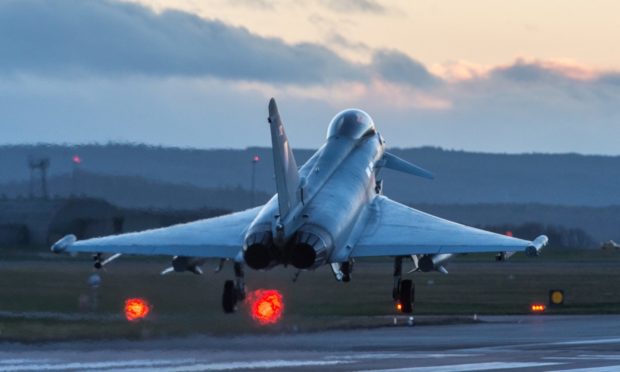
480	75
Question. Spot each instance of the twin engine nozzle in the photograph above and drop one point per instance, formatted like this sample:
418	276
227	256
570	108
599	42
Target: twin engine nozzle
259	252
309	248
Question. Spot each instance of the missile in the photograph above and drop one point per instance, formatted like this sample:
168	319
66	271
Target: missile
432	262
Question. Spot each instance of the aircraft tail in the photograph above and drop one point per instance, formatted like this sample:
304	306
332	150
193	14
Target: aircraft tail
285	167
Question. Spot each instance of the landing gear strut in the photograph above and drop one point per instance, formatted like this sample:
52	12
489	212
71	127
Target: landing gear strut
239	281
234	291
97	261
403	290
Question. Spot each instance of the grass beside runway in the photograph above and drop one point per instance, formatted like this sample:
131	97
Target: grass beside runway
40	296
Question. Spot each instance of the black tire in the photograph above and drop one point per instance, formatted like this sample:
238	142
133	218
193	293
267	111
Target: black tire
229	298
406	296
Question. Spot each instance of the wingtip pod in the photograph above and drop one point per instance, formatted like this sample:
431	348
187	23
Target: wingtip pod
538	244
64	243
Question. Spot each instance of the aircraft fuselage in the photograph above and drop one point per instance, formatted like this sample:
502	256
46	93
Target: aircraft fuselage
321	229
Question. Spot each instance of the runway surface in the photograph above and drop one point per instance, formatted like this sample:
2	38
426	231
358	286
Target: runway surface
518	343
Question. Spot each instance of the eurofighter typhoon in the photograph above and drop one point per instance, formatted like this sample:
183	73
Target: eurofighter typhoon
328	212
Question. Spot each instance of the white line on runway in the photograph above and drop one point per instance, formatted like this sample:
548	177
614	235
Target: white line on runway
263	364
467	367
22	361
587	357
399	356
589	342
615	368
37	365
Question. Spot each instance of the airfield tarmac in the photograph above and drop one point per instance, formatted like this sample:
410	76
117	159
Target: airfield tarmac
536	342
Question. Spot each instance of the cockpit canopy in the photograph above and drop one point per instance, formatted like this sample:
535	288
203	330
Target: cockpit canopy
352	123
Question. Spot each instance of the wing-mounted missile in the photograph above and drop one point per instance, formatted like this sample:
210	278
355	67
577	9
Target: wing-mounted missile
111	258
392	161
416	264
433	262
100	262
182	263
503	256
538	244
342	270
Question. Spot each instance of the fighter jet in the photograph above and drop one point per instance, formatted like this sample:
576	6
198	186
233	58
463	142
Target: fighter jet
610	245
330	211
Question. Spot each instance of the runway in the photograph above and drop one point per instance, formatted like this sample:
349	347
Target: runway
532	343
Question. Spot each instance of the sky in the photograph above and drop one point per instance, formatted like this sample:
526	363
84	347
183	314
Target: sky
478	75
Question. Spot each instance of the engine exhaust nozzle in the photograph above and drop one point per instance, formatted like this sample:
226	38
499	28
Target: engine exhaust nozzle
311	248
258	252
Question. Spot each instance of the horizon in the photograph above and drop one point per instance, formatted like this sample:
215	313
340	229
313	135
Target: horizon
268	147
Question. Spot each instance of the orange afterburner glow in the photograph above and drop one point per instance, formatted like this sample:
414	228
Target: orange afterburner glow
266	305
136	309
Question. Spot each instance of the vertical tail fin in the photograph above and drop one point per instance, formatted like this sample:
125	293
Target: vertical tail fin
285	167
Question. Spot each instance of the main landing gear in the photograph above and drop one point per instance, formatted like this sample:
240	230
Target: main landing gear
234	291
403	291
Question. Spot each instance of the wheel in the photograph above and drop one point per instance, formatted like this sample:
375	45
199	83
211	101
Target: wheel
229	298
405	297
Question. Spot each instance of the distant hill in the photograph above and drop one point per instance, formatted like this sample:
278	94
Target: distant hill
139	192
472	201
461	177
601	223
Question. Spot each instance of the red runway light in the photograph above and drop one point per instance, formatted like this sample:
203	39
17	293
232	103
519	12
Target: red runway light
537	308
77	159
266	305
136	309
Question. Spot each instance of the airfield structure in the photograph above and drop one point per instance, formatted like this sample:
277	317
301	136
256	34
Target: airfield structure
40	165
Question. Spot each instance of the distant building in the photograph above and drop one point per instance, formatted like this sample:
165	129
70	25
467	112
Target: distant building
41	222
36	222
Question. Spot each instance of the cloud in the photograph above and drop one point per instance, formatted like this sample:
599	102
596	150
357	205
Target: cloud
335	38
523	72
552	72
103	38
611	78
397	67
348	6
109	38
254	4
479	115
